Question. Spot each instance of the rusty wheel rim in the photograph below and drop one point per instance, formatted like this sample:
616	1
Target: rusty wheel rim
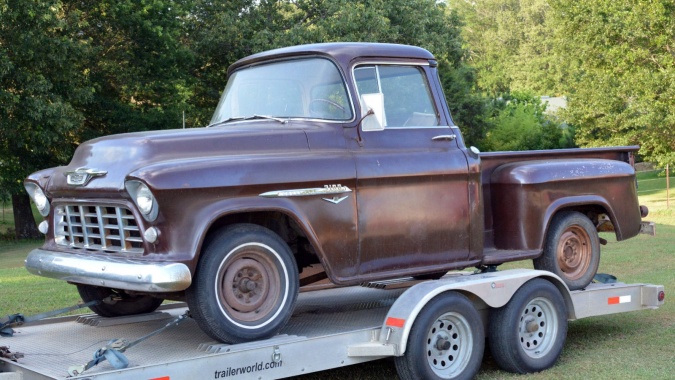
574	252
249	286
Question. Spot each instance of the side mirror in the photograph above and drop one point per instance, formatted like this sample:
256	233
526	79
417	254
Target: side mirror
372	104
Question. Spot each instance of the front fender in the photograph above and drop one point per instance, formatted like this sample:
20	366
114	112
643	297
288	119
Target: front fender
194	195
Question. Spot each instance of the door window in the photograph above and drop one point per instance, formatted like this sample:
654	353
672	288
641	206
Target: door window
407	99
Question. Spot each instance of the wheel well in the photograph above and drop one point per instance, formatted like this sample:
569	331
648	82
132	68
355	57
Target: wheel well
593	212
571	313
281	224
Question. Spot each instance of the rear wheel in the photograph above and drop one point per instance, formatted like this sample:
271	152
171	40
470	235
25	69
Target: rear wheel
116	303
571	250
246	285
446	341
528	333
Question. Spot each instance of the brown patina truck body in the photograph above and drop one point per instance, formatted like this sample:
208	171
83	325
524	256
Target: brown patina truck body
405	198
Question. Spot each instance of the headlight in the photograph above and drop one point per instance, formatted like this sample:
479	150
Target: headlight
39	198
143	198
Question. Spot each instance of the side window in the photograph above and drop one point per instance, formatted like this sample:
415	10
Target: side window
407	99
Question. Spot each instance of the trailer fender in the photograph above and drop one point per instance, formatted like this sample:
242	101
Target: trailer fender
491	290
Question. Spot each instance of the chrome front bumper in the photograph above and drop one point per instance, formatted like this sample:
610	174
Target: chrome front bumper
109	272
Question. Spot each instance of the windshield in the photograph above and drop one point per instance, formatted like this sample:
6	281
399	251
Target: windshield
301	88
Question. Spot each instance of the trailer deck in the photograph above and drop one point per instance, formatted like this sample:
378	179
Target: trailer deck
330	328
51	346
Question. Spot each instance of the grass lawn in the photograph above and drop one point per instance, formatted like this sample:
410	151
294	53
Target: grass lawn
637	345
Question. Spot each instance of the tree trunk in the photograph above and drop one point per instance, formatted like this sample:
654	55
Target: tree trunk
24	222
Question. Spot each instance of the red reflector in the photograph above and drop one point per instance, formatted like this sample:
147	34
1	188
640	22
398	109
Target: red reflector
162	378
662	296
395	322
612	300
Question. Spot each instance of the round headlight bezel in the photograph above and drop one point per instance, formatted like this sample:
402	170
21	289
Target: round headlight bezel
143	198
39	198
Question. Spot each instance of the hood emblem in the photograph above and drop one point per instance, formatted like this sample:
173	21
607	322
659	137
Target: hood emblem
82	176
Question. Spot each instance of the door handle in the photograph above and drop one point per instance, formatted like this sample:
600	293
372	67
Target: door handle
444	137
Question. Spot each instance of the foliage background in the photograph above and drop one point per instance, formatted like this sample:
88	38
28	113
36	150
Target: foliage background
614	60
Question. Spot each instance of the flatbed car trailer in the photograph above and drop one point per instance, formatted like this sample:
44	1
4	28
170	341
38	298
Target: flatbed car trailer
434	329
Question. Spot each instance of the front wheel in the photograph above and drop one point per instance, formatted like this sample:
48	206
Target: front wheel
116	303
246	285
571	249
446	341
528	333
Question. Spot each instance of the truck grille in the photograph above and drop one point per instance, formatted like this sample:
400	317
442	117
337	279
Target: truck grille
97	228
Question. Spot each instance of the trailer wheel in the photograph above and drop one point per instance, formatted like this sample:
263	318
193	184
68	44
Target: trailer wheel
117	303
246	285
446	341
571	250
528	333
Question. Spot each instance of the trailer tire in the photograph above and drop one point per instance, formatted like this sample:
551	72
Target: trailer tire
245	285
528	333
110	307
446	341
571	249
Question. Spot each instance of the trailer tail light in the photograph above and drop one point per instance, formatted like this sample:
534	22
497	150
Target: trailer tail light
662	296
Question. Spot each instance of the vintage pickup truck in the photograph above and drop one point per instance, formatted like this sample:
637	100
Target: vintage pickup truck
339	156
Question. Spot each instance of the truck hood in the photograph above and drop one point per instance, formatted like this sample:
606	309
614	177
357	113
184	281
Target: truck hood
112	158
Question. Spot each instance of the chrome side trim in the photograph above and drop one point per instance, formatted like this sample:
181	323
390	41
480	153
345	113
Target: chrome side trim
110	272
335	200
326	190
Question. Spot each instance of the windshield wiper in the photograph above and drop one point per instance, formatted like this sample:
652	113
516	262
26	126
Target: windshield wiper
253	117
282	121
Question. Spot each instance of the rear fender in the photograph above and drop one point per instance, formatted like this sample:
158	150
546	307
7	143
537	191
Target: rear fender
526	195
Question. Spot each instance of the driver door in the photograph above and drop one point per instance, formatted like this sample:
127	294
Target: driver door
412	179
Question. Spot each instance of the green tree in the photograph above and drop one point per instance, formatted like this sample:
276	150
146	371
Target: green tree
42	91
621	68
510	44
71	71
139	67
520	123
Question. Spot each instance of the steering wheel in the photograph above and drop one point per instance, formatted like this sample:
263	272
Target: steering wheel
332	103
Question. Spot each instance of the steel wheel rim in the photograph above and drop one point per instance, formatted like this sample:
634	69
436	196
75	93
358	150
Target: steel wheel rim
538	327
449	345
248	264
574	252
